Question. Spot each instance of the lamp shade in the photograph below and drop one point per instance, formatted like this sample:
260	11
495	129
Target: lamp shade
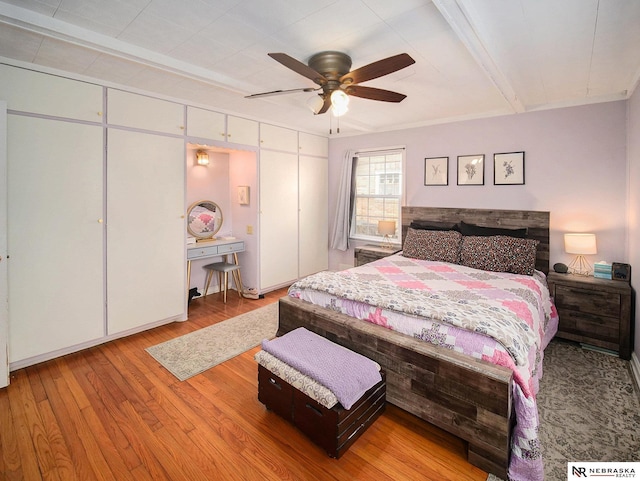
387	227
581	244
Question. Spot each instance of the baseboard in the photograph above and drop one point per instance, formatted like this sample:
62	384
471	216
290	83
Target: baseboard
635	369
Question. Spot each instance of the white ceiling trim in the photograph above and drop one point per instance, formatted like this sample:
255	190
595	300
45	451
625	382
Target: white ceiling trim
53	28
458	17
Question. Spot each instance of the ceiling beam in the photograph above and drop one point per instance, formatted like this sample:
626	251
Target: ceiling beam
459	19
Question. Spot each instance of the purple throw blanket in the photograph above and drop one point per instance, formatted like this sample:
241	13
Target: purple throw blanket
347	374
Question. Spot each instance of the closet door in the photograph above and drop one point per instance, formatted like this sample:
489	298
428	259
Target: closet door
145	229
4	286
278	218
55	235
314	215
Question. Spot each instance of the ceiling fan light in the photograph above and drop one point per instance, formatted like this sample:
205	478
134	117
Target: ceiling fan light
339	102
315	103
339	111
339	99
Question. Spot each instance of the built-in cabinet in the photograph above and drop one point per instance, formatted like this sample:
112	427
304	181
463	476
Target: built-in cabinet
278	218
206	124
293	206
56	235
44	94
142	112
96	207
146	229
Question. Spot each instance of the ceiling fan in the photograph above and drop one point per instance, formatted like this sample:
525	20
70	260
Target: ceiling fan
331	71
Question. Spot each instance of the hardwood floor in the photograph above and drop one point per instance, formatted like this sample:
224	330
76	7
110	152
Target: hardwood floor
113	413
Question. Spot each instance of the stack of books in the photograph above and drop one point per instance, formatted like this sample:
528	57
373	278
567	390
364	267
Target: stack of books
602	270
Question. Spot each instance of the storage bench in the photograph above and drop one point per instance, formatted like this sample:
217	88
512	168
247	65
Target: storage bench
335	429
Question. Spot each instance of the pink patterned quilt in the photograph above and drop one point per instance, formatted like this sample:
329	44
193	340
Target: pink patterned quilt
506	319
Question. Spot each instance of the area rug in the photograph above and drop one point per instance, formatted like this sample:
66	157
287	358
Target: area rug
589	409
203	349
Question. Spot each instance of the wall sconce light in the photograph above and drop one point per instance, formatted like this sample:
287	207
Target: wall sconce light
202	157
386	228
581	245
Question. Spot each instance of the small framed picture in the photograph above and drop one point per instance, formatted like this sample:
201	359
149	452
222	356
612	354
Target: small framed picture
471	169
436	171
243	195
508	168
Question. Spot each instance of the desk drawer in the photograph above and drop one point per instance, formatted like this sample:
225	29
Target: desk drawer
229	248
204	251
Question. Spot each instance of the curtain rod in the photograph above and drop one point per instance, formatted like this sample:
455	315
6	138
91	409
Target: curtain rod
392	149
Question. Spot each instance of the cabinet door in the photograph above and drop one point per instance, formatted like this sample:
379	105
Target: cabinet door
313	145
142	112
40	93
4	285
55	198
242	131
145	229
278	138
206	124
314	215
278	218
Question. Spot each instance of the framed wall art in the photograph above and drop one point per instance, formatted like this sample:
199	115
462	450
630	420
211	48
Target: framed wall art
243	195
436	171
471	169
508	168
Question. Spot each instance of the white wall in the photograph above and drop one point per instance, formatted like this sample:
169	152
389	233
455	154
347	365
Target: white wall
575	167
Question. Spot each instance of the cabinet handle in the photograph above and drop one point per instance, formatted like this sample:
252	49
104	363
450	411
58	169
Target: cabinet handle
99	114
100	221
182	127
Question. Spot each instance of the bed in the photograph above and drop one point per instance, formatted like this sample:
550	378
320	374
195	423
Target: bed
471	398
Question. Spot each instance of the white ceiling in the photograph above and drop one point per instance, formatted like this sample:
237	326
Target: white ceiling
474	58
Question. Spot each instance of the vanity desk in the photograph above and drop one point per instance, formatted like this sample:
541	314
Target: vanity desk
213	248
204	220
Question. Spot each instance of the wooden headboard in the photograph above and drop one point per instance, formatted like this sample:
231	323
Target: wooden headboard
537	223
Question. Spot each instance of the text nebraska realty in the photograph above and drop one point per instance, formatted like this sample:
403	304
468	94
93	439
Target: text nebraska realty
604	472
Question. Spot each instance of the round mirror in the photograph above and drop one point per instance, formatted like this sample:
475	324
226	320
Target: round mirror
204	219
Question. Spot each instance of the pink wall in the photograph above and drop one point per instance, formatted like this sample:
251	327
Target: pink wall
575	167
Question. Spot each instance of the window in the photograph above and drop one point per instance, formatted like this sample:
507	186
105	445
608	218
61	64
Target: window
377	191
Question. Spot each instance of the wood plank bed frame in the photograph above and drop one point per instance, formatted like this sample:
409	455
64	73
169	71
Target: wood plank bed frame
466	397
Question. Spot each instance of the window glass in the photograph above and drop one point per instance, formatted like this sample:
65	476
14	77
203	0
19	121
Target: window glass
378	186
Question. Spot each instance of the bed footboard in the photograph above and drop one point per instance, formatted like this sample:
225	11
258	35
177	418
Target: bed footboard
468	398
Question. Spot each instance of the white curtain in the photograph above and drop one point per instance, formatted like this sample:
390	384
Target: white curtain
342	220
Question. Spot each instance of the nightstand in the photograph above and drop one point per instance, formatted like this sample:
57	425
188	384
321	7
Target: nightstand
594	311
369	253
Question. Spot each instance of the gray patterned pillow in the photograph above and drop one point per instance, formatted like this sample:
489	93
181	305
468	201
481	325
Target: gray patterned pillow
499	254
433	245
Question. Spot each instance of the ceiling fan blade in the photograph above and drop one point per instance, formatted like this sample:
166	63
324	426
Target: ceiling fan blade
298	67
279	92
377	69
374	94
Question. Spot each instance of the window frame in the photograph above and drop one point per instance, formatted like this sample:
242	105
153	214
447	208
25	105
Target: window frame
353	235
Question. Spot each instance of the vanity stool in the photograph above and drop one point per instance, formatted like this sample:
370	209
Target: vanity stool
223	269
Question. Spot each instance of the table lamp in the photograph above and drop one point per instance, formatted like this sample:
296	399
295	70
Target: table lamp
581	245
386	228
